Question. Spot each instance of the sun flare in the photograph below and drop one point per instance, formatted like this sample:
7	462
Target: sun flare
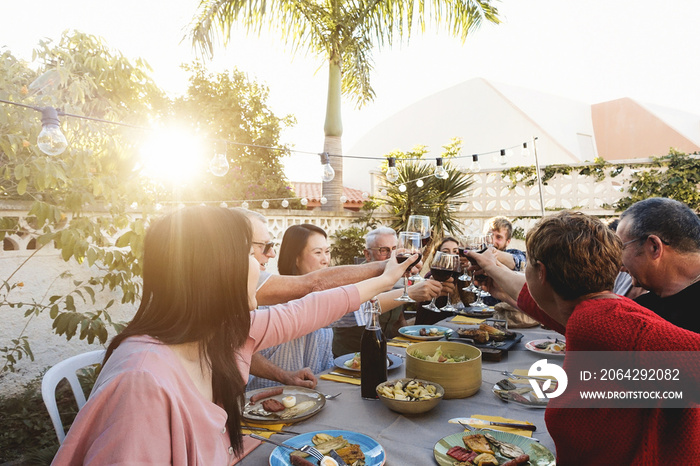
172	155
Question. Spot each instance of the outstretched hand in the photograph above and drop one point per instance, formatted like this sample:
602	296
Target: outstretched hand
301	378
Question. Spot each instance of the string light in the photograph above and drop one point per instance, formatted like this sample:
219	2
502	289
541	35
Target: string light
323	200
440	172
51	140
304	201
402	188
343	199
244	205
218	165
328	172
285	203
392	173
265	204
525	152
475	166
503	158
383	192
224	205
419	183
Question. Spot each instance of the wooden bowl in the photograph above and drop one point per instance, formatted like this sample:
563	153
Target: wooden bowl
411	407
458	379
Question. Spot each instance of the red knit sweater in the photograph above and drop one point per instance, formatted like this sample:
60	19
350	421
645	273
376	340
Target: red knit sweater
624	436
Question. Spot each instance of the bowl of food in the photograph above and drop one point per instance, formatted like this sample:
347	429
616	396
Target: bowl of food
454	366
410	396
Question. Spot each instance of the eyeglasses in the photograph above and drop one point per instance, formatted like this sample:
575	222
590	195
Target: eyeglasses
643	238
384	251
266	246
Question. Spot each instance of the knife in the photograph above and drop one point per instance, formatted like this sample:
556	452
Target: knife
349	376
480	422
262	429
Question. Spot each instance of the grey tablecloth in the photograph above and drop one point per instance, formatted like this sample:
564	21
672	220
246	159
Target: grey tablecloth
409	439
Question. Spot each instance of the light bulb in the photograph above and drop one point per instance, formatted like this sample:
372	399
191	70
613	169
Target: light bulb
159	206
285	203
365	195
304	201
402	188
343	199
328	172
134	205
218	165
525	152
440	172
324	201
420	183
392	173
265	204
475	166
383	192
51	140
503	159
224	205
244	205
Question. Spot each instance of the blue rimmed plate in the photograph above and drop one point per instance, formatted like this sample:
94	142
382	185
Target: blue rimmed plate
394	361
434	332
374	453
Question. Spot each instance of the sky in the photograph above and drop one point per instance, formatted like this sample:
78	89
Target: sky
590	51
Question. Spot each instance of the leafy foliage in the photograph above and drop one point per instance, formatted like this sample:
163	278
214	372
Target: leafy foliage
84	200
437	198
349	243
230	107
677	177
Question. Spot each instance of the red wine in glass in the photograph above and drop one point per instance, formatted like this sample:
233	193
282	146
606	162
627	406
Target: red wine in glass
441	275
401	258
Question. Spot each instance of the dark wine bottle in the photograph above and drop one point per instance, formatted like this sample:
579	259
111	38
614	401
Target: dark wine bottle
373	362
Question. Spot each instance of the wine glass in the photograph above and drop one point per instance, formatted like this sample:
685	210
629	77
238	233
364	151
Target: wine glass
486	242
464	244
408	244
421	225
471	243
442	268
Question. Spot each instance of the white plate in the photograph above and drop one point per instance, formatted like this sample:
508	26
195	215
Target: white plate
413	332
300	393
530	345
374	453
529	395
394	361
539	454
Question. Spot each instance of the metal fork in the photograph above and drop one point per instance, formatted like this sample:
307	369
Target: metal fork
330	397
312	451
308	449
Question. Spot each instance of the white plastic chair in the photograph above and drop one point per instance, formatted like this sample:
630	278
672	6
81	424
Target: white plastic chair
66	369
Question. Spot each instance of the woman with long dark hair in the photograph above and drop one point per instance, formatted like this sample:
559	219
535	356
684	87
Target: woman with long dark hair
304	249
172	383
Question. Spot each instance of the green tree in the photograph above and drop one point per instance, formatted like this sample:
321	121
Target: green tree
230	107
344	34
437	198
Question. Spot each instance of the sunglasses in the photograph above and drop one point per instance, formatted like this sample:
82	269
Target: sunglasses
266	246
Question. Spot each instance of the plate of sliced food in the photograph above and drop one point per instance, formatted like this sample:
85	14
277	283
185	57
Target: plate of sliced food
282	404
489	336
552	347
356	449
353	361
424	332
491	447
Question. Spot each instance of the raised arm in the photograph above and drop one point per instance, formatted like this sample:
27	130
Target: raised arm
503	284
283	288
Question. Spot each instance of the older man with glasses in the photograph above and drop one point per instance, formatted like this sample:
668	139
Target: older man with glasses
661	251
347	332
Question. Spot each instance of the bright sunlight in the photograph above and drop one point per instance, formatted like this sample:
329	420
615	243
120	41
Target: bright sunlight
173	156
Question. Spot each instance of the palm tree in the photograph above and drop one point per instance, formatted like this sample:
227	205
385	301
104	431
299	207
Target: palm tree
345	33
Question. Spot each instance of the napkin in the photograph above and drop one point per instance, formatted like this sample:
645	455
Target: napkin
340	378
511	430
262	433
400	341
466	320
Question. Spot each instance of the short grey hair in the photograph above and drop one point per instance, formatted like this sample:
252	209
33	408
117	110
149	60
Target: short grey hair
672	221
251	214
371	237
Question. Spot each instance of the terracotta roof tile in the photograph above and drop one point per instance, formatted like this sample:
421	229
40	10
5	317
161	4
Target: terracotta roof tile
313	192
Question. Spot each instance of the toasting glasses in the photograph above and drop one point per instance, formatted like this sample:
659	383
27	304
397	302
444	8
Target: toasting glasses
421	225
409	244
442	268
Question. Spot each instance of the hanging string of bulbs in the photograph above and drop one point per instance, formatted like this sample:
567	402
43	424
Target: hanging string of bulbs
52	142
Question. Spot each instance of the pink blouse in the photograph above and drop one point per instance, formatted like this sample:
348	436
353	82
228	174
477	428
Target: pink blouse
145	410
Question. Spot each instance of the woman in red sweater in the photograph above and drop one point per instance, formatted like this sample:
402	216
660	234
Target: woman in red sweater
573	260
